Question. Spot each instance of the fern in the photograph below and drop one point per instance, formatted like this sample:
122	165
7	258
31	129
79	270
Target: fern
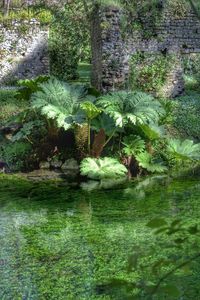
133	145
184	150
131	107
59	101
102	168
146	161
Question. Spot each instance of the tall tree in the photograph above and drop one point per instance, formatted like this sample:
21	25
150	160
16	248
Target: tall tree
6	6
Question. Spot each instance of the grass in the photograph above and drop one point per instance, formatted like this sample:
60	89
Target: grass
44	16
84	71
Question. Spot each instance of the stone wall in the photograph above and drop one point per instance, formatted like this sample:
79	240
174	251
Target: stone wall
171	35
23	51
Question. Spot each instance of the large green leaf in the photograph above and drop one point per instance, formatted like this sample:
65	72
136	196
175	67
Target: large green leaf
106	122
146	161
133	145
131	107
184	150
102	168
59	101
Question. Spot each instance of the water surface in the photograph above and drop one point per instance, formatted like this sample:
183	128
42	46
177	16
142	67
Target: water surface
63	242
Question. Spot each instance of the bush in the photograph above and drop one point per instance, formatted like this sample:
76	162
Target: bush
9	105
191	64
16	155
186	115
68	41
44	16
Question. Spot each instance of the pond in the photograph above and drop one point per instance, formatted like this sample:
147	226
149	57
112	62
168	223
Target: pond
60	241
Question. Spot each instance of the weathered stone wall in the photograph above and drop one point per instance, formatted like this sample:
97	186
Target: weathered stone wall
23	51
172	35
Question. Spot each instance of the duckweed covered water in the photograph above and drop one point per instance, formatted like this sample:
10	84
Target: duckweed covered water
62	242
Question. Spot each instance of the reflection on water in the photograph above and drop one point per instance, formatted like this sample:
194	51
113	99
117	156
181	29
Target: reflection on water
58	242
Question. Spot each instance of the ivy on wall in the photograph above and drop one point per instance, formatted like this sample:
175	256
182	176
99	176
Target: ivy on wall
146	15
149	72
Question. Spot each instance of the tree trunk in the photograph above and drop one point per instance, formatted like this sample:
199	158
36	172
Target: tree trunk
6	7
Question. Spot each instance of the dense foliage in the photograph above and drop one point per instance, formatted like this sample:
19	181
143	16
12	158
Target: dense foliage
131	126
58	101
69	40
111	137
150	72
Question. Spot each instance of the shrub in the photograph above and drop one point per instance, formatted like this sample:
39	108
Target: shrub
59	101
186	115
16	155
29	86
131	107
9	105
184	150
69	38
147	162
44	16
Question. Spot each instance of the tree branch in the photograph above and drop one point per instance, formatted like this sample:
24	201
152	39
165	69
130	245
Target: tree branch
173	271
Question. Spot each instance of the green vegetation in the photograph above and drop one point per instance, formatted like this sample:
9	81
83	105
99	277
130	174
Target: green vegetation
150	72
69	41
131	107
185	116
133	127
58	101
133	145
184	150
102	168
145	160
101	236
9	106
16	154
64	240
44	16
